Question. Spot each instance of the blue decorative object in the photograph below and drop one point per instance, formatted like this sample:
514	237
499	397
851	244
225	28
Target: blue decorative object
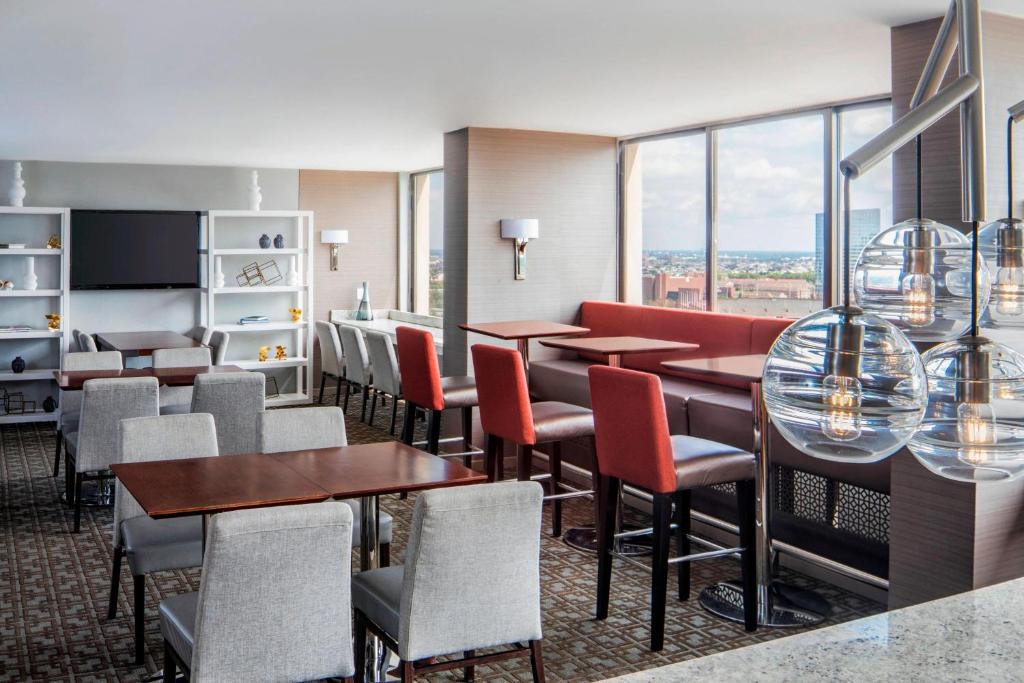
264	241
18	364
279	242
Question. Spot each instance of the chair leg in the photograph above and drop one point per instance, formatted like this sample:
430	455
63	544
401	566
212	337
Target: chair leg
394	415
659	579
366	397
469	672
78	502
537	661
115	581
467	435
56	455
434	432
385	554
69	478
407	673
170	669
555	487
682	521
373	404
323	385
348	392
746	504
139	590
608	494
408	423
493	447
524	460
360	645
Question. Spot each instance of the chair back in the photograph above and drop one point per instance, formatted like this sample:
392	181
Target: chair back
94	360
196	357
331	360
384	363
504	398
165	437
235	399
200	333
631	428
275	600
357	360
472	570
86	343
74	346
218	342
299	429
105	402
417	359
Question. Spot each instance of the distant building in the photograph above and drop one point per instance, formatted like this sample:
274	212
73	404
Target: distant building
674	291
864	224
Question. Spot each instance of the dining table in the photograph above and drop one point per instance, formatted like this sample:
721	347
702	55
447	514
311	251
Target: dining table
144	343
72	380
211	485
779	604
522	331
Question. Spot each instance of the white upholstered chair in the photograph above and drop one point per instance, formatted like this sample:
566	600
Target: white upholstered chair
177	400
332	362
236	400
71	401
218	342
386	380
358	372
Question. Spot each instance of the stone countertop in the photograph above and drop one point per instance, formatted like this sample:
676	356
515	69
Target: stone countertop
388	322
974	636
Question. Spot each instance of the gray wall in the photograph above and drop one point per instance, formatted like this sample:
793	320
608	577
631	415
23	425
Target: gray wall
145	186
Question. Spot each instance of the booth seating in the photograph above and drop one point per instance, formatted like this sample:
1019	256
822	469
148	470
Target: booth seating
714	410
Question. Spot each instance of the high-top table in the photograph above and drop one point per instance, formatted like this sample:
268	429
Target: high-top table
522	331
613	349
143	343
71	380
778	604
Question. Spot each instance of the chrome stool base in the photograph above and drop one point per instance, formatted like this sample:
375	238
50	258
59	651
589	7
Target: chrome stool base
787	606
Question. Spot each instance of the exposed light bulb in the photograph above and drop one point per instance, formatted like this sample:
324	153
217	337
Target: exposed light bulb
1008	290
975	426
919	299
842	397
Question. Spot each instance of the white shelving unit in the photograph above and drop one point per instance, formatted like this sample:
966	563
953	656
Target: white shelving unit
42	349
226	234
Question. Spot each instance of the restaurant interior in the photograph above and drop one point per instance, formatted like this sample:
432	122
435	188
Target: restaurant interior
511	342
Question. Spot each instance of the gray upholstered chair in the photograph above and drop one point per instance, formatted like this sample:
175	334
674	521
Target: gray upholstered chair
297	429
74	347
94	445
471	580
358	372
274	603
177	400
386	378
86	342
235	400
201	334
71	401
218	342
156	545
332	362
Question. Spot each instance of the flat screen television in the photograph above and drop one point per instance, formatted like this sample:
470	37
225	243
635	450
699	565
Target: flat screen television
134	249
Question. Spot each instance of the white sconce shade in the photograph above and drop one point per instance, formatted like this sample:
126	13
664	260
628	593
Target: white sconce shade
334	238
520	229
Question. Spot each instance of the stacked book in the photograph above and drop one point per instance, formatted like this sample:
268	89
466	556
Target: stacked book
15	328
253	320
6	245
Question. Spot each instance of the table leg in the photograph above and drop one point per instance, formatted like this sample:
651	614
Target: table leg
206	527
778	604
523	346
369	558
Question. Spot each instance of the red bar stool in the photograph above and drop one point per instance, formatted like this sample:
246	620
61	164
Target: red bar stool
425	389
507	415
634	448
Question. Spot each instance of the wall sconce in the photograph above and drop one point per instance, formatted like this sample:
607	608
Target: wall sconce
335	238
522	230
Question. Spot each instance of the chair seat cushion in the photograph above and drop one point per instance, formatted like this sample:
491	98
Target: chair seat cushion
378	594
384	524
176	409
557	421
175	396
178	623
154	545
700	462
458	392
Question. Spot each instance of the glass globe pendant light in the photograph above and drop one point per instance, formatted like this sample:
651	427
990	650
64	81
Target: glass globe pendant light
842	384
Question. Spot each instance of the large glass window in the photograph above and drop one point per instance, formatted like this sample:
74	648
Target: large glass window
427	281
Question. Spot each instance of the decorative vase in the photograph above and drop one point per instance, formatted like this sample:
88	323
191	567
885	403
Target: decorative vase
364	312
255	196
31	280
49	405
279	242
18	365
291	278
17	193
264	241
218	273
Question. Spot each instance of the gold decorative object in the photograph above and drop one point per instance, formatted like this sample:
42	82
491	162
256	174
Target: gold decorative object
53	242
296	314
53	321
264	353
6	284
280	353
266	273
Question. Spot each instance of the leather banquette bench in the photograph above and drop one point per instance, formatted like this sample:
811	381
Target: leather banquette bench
716	410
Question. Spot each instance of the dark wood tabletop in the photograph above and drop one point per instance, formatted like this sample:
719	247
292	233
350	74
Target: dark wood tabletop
377	469
173	377
144	343
618	345
745	368
523	329
174	488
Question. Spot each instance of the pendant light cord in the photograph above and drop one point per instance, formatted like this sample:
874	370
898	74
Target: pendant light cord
974	278
1009	167
846	241
919	195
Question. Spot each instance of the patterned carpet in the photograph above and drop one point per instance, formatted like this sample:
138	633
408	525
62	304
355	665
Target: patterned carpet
53	588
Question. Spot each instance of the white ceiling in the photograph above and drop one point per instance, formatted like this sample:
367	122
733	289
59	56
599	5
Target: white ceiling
373	84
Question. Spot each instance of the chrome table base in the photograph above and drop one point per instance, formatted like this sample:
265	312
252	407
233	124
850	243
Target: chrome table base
782	606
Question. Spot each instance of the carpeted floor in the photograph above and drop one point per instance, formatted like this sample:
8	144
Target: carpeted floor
53	588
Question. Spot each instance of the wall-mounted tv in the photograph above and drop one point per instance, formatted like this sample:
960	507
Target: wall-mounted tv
134	249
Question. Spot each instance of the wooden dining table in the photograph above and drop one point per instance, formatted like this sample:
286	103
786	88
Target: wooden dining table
522	331
144	343
71	380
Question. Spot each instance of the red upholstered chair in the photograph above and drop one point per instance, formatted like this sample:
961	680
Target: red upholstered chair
425	389
506	414
634	448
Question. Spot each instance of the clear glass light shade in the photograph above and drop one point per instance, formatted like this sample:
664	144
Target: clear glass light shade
1002	245
845	385
917	275
973	429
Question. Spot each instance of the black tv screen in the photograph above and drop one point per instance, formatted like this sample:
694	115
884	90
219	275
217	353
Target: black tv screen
134	249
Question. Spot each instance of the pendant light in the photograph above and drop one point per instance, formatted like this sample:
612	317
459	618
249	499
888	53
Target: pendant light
1002	246
843	384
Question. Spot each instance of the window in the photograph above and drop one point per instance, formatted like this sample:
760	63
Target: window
427	281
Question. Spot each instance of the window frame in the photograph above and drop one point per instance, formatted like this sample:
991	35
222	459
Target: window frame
418	281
